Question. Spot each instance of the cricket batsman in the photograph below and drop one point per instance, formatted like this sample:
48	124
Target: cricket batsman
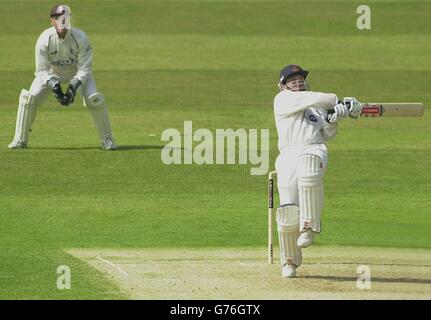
304	121
63	55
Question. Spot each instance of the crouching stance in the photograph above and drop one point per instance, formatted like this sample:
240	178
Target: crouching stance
63	55
304	121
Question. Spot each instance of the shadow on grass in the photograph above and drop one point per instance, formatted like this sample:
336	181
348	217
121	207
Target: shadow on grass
373	279
143	147
120	148
422	265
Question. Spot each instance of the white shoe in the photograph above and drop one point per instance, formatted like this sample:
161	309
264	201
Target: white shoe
109	144
288	270
306	238
17	145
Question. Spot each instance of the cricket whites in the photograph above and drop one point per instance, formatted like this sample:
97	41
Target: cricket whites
369	110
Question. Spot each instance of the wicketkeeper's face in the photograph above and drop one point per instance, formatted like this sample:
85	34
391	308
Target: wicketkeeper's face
54	22
59	26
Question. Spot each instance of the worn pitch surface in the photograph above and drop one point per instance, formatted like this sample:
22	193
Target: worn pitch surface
328	273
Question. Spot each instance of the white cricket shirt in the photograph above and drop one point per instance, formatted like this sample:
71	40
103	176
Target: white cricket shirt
300	117
66	58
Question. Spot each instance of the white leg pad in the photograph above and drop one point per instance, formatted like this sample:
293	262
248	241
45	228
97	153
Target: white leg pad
99	111
310	188
25	116
288	233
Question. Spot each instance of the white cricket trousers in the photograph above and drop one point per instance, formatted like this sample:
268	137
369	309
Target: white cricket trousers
287	169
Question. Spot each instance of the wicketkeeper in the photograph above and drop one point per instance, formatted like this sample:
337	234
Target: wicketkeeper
63	55
304	121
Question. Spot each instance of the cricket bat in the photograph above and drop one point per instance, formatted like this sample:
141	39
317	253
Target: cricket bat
391	110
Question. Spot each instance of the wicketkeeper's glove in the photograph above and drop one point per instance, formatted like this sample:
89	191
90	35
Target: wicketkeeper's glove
55	86
71	91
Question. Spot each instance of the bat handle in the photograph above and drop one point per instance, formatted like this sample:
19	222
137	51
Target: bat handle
332	111
328	113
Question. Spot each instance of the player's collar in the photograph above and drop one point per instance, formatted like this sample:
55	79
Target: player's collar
65	37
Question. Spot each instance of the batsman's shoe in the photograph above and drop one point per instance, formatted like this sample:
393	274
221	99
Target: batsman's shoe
109	144
288	270
17	145
306	238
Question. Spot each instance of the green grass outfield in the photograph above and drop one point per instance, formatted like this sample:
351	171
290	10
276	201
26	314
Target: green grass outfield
216	63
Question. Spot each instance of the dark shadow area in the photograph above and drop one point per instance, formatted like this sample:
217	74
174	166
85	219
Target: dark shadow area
143	147
65	148
378	264
120	148
373	279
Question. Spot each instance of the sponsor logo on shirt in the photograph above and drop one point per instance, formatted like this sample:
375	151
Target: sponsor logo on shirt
312	118
62	63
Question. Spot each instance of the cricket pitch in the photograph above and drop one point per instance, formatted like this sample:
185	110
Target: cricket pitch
243	273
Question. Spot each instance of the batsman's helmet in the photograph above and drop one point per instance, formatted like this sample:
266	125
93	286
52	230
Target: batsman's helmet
290	71
287	73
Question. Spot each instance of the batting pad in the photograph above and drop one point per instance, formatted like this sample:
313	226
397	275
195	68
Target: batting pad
288	232
99	111
310	187
25	116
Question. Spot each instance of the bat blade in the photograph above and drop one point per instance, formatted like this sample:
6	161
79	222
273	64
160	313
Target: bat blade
392	110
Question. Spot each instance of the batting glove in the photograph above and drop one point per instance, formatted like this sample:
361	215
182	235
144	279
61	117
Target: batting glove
340	111
354	106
